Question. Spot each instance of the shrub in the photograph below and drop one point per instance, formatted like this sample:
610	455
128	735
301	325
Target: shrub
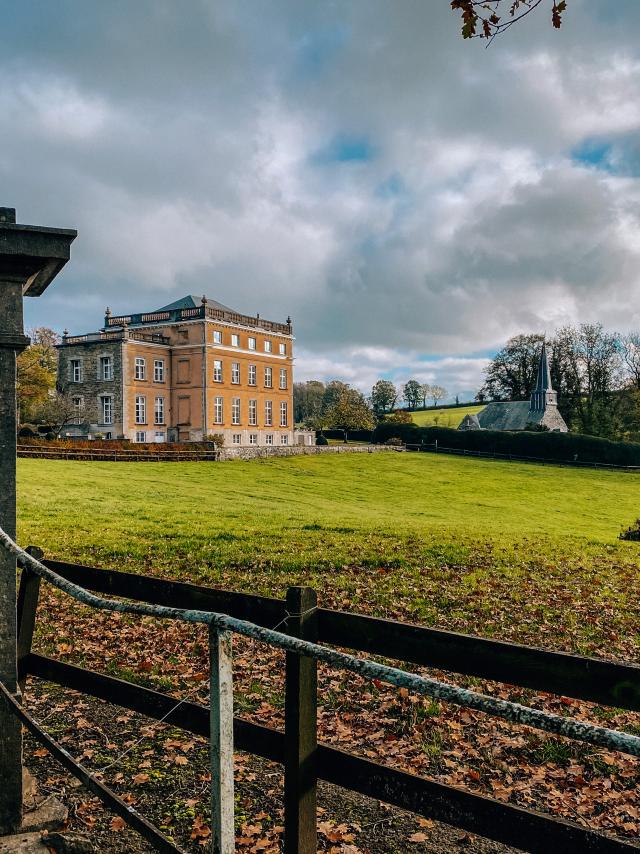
632	533
50	436
27	432
398	416
216	439
395	441
321	440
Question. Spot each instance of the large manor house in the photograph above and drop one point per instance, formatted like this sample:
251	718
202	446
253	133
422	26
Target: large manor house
181	373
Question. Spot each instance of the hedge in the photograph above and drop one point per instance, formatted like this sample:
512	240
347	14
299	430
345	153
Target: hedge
352	435
564	447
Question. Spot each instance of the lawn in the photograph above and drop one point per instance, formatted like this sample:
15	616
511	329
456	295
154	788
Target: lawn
444	417
455	542
515	551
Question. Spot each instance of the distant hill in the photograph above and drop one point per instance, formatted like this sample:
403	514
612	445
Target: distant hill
447	417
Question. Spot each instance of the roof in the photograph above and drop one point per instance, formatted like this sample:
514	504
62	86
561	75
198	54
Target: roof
192	301
543	380
470	422
510	415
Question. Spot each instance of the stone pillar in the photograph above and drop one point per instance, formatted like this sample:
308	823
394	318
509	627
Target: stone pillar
30	257
12	341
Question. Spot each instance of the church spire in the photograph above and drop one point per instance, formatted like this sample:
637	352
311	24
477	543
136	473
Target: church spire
543	394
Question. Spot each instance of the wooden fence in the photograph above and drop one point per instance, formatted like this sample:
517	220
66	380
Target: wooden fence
118	455
305	761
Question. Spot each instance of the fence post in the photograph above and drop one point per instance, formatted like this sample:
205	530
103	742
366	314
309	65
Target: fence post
301	700
221	742
28	594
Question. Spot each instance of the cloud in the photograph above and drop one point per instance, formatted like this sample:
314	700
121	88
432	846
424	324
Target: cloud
396	190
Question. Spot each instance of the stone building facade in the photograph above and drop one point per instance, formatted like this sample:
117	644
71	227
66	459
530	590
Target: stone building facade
178	374
541	410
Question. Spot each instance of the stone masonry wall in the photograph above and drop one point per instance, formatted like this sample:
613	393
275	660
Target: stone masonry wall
253	453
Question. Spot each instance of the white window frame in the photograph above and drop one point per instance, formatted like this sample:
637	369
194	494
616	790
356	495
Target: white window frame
284	379
282	349
236	438
217	336
253	375
158	370
158	410
75	370
235	410
106	408
284	413
268	346
253	438
105	368
235	339
251	343
141	409
218	410
235	373
140	368
217	370
141	435
268	413
253	413
284	438
268	439
268	377
78	408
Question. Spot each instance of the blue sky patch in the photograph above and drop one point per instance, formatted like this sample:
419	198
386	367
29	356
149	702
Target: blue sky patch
344	148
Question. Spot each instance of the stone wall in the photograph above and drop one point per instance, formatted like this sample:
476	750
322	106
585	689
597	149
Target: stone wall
300	450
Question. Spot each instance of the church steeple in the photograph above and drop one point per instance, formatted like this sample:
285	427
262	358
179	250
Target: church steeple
543	395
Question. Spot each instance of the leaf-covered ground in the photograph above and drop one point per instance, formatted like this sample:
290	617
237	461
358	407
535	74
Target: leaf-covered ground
504	550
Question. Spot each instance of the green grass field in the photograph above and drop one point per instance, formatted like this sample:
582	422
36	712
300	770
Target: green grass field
503	549
444	417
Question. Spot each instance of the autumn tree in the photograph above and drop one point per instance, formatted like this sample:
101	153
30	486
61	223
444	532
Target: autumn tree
37	369
412	393
348	411
383	396
438	393
486	19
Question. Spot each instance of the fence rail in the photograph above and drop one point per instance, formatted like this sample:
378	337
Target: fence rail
117	454
307	627
434	447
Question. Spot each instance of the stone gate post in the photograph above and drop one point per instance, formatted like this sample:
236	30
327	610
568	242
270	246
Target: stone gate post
30	257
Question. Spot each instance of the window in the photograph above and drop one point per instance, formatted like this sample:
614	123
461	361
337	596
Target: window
282	349
253	412
141	409
268	347
159	411
251	343
108	435
217	410
252	375
283	377
106	368
268	377
158	370
75	371
235	372
235	410
235	340
268	413
141	436
236	438
253	438
78	407
268	439
159	436
284	439
283	413
217	336
141	368
106	409
217	371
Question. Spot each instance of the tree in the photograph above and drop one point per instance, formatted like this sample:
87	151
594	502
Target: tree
438	393
630	345
57	410
511	374
412	393
383	396
348	411
37	369
485	19
307	401
426	392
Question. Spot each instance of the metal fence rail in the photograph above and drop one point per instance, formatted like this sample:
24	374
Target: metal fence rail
302	655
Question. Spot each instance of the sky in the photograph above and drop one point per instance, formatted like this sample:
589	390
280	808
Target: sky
410	199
